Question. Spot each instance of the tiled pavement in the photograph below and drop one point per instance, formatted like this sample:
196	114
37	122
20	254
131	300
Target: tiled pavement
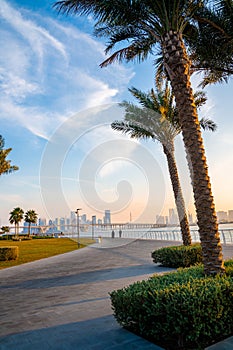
62	302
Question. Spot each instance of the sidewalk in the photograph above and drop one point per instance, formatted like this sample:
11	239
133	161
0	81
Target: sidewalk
62	302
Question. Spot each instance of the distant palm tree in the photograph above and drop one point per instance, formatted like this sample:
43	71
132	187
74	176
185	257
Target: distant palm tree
5	165
16	215
158	120
30	217
5	229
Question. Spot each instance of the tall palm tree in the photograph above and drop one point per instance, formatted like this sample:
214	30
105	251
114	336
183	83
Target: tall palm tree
5	165
30	217
16	215
149	27
158	120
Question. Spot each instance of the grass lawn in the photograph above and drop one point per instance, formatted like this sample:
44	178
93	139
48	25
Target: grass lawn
36	249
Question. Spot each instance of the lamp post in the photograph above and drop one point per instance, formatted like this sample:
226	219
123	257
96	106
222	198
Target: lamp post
77	212
92	228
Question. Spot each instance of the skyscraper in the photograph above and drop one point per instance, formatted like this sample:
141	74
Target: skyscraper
173	219
230	215
107	217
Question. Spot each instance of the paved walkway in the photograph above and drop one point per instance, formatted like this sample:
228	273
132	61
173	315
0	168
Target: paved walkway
62	303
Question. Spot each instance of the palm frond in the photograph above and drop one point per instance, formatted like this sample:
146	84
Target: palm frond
208	124
200	98
134	129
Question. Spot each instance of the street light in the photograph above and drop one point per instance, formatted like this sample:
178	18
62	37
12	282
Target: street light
93	221
77	212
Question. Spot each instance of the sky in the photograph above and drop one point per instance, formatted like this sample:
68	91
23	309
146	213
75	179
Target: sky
56	107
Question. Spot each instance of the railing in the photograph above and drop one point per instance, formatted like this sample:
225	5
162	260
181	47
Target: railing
137	231
226	235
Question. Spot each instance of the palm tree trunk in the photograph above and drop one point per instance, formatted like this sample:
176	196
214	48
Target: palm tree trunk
179	200
178	65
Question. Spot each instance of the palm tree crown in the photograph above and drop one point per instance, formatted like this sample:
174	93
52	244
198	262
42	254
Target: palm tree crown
213	38
16	215
5	165
31	218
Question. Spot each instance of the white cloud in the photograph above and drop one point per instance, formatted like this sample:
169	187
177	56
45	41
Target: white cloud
49	70
17	87
37	36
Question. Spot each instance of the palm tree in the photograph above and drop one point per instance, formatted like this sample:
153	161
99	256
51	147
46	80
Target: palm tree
214	37
5	229
5	165
30	217
152	27
16	215
158	120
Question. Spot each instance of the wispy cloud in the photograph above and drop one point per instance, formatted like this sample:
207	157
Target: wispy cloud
37	37
49	70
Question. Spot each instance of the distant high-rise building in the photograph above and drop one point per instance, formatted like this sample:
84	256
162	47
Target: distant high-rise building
160	220
25	227
230	215
99	222
73	217
107	217
173	218
84	219
190	217
222	216
62	226
93	219
42	222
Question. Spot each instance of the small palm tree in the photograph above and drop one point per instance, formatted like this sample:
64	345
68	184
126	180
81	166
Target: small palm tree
158	120
31	218
5	229
5	165
16	215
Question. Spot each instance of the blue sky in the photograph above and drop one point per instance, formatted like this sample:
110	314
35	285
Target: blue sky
56	105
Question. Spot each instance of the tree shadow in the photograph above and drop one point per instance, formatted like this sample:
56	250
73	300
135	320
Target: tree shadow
88	277
95	334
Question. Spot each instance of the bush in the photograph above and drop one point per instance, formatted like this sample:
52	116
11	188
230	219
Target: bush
180	310
9	253
6	237
42	237
178	256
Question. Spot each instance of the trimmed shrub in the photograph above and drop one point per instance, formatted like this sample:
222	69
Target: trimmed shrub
42	237
9	253
3	238
180	310
178	256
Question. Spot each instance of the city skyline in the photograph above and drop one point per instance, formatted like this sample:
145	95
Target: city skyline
56	108
171	219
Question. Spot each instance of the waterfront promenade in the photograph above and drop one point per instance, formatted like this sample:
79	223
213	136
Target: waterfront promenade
62	302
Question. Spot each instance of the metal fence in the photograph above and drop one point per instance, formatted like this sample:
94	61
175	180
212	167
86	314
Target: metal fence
226	235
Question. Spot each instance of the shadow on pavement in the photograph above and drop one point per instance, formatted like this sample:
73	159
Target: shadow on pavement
88	277
100	334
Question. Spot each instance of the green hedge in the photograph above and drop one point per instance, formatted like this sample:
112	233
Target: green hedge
42	237
9	253
180	310
178	256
